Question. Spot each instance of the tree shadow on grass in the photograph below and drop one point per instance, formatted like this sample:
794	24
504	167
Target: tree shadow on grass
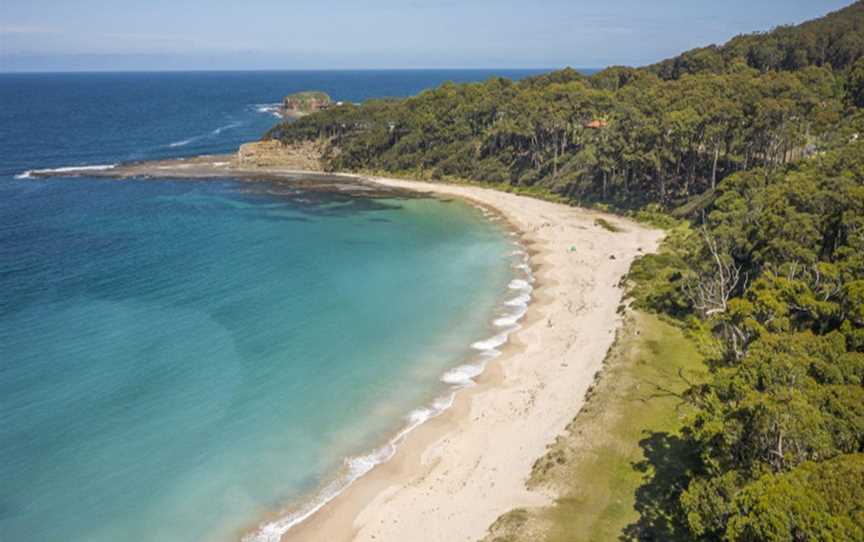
668	459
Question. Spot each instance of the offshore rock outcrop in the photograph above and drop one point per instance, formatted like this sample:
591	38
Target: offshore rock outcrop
303	103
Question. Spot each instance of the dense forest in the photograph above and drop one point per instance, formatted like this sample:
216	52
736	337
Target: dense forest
759	144
624	136
774	276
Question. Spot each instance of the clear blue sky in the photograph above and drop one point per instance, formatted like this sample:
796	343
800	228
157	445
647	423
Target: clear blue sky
289	34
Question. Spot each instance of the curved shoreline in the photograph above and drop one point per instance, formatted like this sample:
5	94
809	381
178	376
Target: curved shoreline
457	473
454	475
458	378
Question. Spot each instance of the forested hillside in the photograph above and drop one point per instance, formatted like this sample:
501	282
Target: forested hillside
760	144
774	274
623	136
836	40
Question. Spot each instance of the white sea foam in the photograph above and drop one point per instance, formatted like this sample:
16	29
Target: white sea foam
464	374
513	318
520	301
100	167
272	109
184	142
354	469
422	415
520	284
68	169
212	133
492	343
221	129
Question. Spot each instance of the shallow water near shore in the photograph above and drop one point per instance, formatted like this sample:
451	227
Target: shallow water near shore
179	359
182	356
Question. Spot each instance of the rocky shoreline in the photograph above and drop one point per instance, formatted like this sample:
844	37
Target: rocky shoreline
264	161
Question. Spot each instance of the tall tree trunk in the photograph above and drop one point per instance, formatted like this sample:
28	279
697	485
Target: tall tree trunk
604	184
691	171
555	159
714	167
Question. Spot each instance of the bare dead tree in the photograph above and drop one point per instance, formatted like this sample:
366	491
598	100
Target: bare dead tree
711	291
827	289
736	339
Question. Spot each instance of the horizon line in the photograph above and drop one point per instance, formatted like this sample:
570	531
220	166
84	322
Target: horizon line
157	70
266	70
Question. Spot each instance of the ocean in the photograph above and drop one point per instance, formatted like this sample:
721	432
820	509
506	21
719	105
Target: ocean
181	359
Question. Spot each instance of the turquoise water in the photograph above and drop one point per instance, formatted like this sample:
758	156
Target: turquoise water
181	358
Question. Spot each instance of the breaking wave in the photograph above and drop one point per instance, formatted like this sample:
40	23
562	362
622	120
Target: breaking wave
75	170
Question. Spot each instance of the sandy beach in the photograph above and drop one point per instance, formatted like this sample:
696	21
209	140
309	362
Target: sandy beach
456	474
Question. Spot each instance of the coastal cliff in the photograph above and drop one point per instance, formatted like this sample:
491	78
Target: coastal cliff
302	156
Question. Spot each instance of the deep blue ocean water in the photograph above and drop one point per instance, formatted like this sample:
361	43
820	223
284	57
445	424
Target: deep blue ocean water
180	359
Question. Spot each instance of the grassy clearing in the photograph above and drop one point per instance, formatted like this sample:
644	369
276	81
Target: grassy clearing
623	454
